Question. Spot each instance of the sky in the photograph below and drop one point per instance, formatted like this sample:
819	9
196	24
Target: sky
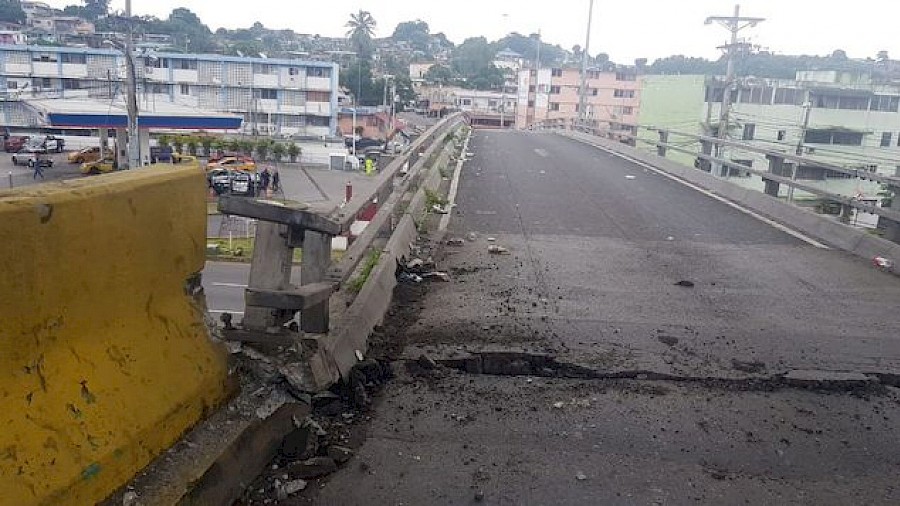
625	29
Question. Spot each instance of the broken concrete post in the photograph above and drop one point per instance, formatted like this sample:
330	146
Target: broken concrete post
314	268
270	270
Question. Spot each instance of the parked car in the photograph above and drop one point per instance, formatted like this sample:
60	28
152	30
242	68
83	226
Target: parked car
362	144
51	144
25	154
15	143
107	164
234	163
91	154
161	154
46	163
225	181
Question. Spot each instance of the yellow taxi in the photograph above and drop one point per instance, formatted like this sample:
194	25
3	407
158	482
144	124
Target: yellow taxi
91	154
99	166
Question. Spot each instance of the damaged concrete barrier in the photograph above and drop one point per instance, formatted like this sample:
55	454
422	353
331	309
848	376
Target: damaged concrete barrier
106	359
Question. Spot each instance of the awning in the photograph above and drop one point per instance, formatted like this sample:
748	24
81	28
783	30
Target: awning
91	113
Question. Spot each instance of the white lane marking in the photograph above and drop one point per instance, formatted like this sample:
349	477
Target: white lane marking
229	285
454	185
224	311
803	237
541	152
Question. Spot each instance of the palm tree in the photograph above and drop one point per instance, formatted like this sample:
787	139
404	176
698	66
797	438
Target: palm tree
278	151
360	30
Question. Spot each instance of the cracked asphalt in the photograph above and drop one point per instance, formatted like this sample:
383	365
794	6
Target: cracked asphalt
597	248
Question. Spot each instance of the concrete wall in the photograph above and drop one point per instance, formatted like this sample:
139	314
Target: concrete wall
106	360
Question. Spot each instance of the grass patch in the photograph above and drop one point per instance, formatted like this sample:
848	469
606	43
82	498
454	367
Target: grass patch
356	284
434	198
212	208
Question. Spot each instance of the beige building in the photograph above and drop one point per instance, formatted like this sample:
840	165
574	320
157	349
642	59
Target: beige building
613	98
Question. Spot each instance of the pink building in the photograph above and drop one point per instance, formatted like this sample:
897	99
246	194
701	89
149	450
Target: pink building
613	98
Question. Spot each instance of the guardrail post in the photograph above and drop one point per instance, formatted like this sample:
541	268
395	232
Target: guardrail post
776	165
663	139
892	230
313	269
270	270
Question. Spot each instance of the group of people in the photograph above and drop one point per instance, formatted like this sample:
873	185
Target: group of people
269	180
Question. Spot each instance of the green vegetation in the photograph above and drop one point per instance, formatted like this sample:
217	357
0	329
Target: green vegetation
278	151
293	151
11	12
356	284
433	198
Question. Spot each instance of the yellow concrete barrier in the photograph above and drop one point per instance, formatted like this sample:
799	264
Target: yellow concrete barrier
104	358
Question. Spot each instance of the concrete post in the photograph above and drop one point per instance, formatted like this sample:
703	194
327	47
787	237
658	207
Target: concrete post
121	148
706	149
313	269
103	143
270	269
846	213
892	230
776	166
663	139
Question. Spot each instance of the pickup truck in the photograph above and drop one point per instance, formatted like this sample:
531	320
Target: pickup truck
50	143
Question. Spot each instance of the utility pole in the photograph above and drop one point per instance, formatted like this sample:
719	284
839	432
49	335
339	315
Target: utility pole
582	96
134	142
807	108
733	24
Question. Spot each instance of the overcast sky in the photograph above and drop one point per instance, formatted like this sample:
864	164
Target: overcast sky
626	29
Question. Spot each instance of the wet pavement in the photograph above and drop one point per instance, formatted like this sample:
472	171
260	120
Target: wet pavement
671	324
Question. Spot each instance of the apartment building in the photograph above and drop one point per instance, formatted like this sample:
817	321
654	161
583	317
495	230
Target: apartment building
843	118
484	108
274	96
613	98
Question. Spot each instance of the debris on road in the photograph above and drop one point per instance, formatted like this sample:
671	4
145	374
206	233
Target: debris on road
455	241
630	177
339	454
443	276
285	490
491	239
668	340
559	404
882	262
313	468
408	277
497	250
685	283
670	238
748	367
426	362
580	476
437	209
472	236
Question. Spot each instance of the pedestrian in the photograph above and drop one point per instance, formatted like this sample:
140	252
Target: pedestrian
36	165
276	181
264	180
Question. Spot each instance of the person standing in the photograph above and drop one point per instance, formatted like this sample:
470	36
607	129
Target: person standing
36	165
276	181
264	178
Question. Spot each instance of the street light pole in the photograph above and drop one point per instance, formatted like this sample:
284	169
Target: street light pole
582	95
133	138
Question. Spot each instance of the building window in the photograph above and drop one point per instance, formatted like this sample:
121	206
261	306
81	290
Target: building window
554	106
887	103
623	110
593	74
185	89
531	89
266	94
762	95
318	96
12	85
886	139
838	101
625	76
183	64
71	84
45	57
791	96
554	90
262	68
531	103
829	136
556	72
318	72
749	132
293	71
623	93
161	89
781	135
73	58
321	121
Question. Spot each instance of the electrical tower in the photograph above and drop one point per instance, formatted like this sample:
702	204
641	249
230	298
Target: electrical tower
733	24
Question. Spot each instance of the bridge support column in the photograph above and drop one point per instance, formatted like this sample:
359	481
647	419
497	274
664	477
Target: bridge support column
270	270
314	269
663	139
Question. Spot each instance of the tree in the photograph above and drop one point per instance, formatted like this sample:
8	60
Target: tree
416	33
882	56
360	30
262	149
11	12
839	54
95	9
438	74
358	80
189	31
640	63
278	151
293	152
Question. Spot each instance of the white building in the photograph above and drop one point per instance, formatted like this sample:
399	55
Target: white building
276	97
853	120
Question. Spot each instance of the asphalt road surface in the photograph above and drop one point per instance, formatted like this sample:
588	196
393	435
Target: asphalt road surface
598	247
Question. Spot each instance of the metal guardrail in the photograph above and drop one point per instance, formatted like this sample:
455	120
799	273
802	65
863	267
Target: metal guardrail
271	299
772	178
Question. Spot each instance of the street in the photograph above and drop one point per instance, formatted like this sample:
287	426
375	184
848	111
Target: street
671	320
